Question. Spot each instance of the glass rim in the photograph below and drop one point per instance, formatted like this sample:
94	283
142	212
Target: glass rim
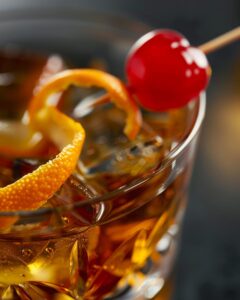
8	12
25	11
173	154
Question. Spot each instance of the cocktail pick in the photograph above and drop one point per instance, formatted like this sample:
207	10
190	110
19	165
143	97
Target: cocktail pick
165	72
221	41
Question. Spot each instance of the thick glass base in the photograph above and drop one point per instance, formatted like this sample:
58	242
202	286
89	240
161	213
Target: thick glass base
155	281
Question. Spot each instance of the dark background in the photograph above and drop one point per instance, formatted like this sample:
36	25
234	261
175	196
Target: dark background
208	265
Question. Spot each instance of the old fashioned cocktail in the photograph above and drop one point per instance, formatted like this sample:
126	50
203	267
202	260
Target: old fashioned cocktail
109	228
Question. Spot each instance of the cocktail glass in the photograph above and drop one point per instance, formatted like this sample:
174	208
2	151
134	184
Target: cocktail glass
111	232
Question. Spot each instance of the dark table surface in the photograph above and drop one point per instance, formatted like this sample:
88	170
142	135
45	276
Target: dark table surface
208	264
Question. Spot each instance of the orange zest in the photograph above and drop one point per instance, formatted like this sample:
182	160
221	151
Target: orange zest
87	78
34	189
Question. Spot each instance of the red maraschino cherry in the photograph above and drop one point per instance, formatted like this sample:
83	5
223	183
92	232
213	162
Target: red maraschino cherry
165	72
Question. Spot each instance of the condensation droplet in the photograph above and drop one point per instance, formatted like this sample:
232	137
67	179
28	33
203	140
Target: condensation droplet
26	252
65	220
49	251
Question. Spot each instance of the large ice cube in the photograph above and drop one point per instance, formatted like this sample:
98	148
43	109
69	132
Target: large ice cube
107	150
133	159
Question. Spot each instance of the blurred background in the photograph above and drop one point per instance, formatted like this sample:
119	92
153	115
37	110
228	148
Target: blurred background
208	265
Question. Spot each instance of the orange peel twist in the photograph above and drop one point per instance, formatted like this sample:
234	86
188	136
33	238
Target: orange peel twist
34	189
87	78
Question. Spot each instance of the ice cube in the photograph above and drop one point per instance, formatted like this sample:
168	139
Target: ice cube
134	159
109	159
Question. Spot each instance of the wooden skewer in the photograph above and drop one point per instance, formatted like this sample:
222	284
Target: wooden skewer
104	99
221	41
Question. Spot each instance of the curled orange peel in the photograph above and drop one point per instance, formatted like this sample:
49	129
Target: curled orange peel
87	78
34	189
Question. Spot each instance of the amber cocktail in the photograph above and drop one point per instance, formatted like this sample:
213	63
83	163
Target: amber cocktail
110	231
